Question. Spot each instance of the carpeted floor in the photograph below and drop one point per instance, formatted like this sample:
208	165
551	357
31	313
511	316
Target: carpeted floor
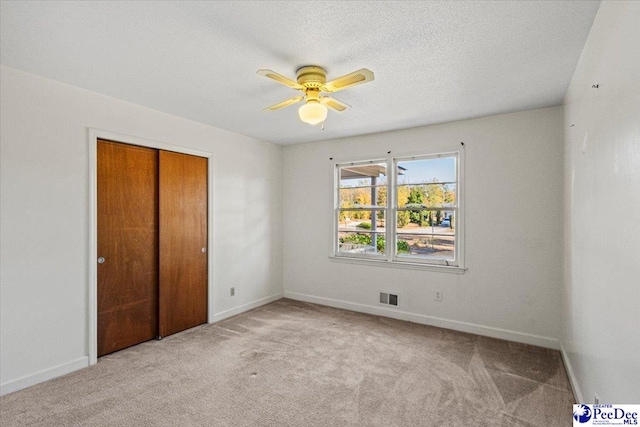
296	364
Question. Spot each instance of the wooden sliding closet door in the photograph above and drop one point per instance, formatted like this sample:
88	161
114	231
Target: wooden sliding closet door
183	242
127	245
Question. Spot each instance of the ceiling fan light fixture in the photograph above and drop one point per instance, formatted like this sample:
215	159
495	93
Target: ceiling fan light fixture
313	112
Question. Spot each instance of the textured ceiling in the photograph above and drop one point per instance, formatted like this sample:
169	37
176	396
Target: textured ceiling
433	61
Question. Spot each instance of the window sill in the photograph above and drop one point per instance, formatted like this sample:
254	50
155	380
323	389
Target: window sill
399	264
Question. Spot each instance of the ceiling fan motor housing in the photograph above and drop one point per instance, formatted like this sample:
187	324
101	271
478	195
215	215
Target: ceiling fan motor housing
312	77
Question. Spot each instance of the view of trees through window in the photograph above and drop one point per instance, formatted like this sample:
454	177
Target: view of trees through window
425	208
363	208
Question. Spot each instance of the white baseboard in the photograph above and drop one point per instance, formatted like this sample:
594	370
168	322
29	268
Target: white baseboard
44	375
488	331
83	362
245	307
577	393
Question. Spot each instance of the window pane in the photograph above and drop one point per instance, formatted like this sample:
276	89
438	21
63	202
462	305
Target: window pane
426	246
436	195
362	243
361	175
360	220
353	197
425	171
426	234
441	221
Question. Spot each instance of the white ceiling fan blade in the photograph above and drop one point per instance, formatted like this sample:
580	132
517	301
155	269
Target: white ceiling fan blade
334	104
284	103
280	79
357	77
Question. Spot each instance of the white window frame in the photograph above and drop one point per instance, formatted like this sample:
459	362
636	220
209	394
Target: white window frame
390	258
336	218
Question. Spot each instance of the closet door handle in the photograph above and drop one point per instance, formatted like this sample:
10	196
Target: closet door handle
204	250
101	260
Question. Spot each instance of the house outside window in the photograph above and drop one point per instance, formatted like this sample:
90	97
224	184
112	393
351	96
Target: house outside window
404	210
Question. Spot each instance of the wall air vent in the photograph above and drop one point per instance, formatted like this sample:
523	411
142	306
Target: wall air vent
393	299
387	298
384	298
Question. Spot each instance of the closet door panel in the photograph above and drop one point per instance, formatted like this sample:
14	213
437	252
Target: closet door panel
127	245
183	242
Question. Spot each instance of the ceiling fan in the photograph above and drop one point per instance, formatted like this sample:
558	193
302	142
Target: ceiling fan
312	80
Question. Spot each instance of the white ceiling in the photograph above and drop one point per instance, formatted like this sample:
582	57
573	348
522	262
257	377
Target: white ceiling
434	62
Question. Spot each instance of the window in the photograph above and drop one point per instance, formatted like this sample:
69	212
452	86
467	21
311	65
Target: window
413	202
362	209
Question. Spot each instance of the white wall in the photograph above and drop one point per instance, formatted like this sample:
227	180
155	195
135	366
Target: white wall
601	331
45	223
514	229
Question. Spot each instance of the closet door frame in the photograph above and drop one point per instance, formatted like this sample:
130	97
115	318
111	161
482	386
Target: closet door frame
94	135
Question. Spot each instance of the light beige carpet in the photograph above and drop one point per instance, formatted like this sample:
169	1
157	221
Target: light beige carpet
296	364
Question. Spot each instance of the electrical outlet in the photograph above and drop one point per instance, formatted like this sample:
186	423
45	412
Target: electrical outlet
596	398
232	291
438	296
